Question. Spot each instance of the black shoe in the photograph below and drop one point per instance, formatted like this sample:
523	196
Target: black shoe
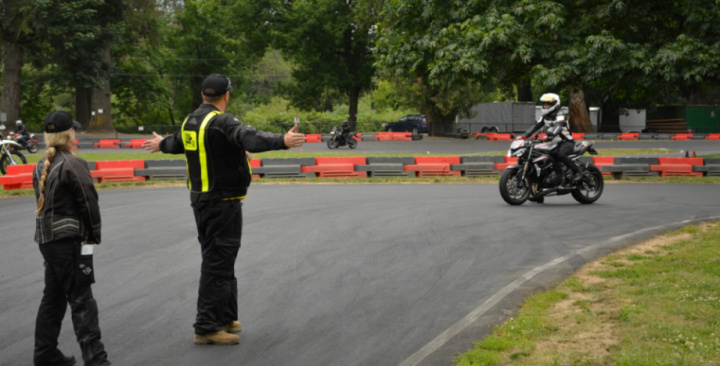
65	361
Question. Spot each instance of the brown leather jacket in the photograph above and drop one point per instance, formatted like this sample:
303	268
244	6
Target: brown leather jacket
71	202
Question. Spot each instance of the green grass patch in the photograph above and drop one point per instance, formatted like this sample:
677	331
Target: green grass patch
661	308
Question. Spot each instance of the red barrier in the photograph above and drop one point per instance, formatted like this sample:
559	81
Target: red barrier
599	161
108	144
499	137
713	136
311	138
18	176
433	166
670	167
508	162
682	136
329	167
394	136
118	171
579	136
255	163
628	136
136	143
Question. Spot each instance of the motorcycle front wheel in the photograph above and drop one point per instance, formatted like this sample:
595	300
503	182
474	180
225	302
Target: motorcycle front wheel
18	159
591	186
352	143
512	189
33	147
332	144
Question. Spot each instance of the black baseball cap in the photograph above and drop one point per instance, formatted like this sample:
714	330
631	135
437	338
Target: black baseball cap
216	85
59	121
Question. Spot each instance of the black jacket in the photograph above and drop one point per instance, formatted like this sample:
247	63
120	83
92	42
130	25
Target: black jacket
71	202
224	140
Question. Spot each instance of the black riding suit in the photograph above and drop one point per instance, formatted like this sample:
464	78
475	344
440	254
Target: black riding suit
24	135
557	131
71	214
219	176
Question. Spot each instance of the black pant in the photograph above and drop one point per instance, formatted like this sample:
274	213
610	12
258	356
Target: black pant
219	227
66	284
566	148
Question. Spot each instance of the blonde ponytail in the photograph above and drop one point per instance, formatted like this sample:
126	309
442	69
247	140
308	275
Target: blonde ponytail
54	142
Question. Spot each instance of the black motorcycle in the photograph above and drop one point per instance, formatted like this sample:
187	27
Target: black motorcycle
534	177
337	139
31	144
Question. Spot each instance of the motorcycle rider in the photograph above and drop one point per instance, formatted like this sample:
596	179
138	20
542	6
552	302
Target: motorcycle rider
23	132
345	131
557	131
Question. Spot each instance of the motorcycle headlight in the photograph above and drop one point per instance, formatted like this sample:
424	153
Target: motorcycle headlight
509	154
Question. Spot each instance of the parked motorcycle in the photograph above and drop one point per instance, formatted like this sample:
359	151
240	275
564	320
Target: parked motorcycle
337	139
10	155
534	177
31	144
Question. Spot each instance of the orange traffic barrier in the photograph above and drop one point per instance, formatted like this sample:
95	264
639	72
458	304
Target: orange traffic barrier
108	144
508	161
118	171
433	166
599	161
682	136
327	167
17	177
632	136
670	167
315	137
713	136
135	143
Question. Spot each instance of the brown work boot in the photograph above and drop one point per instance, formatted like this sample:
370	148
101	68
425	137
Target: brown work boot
233	327
220	338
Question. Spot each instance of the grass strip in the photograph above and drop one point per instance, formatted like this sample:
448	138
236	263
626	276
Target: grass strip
655	303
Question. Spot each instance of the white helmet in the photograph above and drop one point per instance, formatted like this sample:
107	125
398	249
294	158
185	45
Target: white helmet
553	100
18	122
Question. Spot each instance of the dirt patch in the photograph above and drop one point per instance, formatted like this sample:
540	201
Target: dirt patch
587	319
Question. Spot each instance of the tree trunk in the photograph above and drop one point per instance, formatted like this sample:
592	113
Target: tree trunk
11	91
578	115
100	103
82	106
438	124
524	90
354	94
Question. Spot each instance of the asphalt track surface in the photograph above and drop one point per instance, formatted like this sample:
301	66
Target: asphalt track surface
355	274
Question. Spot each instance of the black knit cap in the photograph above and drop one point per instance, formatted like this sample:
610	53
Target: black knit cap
216	85
59	121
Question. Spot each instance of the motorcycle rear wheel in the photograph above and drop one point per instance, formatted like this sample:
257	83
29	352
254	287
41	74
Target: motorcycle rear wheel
33	147
5	161
514	192
590	187
352	143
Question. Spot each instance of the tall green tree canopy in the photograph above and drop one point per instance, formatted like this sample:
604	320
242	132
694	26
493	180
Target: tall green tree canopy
330	43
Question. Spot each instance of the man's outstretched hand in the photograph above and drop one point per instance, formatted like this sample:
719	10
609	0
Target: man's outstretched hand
293	138
153	145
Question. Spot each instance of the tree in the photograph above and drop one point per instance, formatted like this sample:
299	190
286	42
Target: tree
81	33
330	43
209	37
14	38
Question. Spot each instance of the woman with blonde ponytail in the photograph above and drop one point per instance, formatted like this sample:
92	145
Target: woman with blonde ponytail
68	219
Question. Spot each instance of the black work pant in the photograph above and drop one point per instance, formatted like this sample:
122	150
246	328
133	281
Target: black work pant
566	148
66	284
219	225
